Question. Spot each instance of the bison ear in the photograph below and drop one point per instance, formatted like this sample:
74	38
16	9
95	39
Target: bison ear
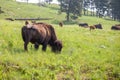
26	22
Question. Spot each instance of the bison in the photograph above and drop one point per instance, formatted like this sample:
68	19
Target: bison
60	24
92	27
40	34
98	26
85	25
115	27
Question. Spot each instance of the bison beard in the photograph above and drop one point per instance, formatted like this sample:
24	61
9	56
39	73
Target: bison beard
41	33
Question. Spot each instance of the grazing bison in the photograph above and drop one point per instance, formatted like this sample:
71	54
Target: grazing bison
60	24
40	33
85	25
92	27
115	27
98	26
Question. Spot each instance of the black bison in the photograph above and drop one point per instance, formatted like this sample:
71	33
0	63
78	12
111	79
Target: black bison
40	33
60	24
98	26
115	27
85	25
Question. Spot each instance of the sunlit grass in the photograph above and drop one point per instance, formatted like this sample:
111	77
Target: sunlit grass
86	55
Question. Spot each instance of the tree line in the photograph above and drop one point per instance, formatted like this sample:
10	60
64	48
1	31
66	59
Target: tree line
99	8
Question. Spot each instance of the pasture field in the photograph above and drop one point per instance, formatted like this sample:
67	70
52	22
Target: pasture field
86	55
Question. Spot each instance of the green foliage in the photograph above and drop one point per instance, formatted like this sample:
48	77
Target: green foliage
86	55
73	7
115	9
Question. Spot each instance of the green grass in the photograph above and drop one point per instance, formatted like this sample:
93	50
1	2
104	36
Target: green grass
23	10
86	55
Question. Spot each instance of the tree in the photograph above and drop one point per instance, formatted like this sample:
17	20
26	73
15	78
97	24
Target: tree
48	1
115	6
86	4
61	5
101	7
73	7
92	7
1	11
27	1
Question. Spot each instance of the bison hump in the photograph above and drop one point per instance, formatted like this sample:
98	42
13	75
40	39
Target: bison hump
42	29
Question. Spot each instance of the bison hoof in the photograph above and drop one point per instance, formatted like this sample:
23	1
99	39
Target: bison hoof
36	46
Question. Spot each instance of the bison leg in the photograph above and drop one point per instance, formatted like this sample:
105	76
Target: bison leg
36	45
44	47
25	46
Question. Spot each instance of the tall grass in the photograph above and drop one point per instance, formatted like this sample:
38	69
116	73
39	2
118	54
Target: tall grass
86	55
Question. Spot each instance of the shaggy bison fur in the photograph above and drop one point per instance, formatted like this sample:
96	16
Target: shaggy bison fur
40	34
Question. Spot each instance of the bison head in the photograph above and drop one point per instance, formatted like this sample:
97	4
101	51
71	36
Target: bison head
57	46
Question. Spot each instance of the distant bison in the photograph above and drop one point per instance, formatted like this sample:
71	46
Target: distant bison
40	33
92	27
115	27
60	24
98	26
85	25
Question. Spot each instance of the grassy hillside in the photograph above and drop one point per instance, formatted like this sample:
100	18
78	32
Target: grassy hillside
14	9
86	55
